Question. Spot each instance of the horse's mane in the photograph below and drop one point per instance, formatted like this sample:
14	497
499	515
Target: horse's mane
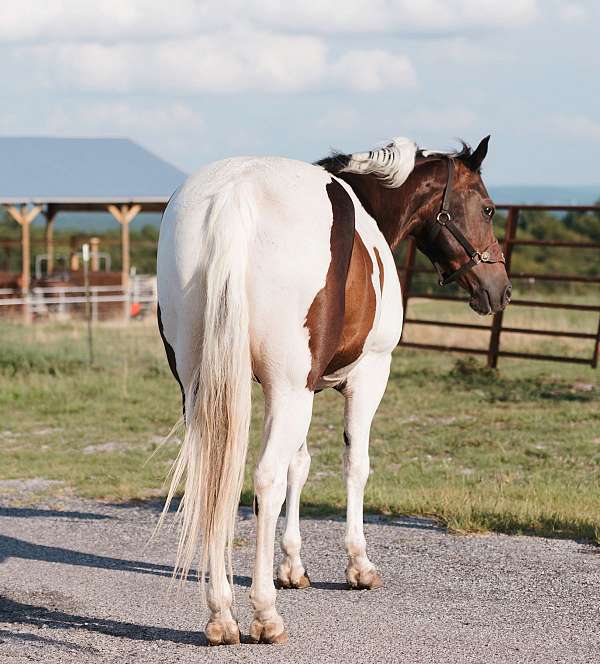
463	154
392	164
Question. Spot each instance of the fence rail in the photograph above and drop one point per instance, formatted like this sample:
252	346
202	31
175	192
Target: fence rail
134	299
497	327
62	298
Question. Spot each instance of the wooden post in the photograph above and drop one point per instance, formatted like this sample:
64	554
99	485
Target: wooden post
125	253
596	347
94	259
74	257
509	236
124	216
50	215
24	217
85	251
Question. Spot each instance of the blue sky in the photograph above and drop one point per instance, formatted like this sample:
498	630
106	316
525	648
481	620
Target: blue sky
197	81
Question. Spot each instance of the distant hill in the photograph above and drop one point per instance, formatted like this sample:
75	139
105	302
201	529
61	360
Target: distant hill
548	195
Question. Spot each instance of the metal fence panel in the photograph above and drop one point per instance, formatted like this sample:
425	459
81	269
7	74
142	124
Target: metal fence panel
497	328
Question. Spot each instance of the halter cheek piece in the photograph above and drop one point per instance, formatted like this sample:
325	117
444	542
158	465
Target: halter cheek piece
492	254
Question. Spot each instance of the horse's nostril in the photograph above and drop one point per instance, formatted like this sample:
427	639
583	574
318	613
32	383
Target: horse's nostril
507	294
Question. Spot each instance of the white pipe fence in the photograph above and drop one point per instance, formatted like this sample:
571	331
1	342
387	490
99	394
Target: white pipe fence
59	300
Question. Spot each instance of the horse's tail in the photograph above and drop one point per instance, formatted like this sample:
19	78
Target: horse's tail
213	453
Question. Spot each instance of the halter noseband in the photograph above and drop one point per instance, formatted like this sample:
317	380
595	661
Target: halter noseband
492	254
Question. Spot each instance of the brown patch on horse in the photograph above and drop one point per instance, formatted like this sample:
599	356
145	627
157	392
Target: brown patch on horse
325	317
343	311
360	309
380	266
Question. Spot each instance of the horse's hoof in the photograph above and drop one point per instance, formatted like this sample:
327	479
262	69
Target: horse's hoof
363	579
222	632
268	632
285	581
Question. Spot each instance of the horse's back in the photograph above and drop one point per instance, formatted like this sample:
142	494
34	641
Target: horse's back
302	225
288	251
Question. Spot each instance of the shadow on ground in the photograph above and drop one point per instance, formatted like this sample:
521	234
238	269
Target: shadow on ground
20	613
12	547
40	640
316	511
32	512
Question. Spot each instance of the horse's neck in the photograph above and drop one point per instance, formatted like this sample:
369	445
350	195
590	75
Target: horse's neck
396	210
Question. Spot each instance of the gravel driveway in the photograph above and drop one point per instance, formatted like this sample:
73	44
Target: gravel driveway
78	585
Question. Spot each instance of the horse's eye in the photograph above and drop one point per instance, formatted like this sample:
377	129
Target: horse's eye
488	211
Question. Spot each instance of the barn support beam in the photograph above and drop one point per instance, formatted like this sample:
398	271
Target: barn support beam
124	215
24	215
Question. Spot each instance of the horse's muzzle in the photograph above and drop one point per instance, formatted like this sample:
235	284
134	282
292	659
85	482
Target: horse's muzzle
485	302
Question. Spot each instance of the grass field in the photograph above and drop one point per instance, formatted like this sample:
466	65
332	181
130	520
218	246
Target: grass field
515	451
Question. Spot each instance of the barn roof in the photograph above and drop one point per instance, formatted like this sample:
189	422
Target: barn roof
64	170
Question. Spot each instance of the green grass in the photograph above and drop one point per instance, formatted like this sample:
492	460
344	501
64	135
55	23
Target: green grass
514	451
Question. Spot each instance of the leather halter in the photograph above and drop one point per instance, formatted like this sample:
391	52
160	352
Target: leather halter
492	254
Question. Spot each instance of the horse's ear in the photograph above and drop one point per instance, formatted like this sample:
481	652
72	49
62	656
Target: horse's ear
476	159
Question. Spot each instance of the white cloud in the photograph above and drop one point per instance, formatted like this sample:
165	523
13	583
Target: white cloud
392	16
221	46
447	119
573	12
339	118
467	52
577	126
225	62
139	20
169	127
219	63
128	118
369	71
109	20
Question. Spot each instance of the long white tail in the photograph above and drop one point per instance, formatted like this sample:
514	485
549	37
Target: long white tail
213	453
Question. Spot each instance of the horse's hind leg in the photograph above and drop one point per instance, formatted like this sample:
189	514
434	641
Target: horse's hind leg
363	391
222	628
287	418
291	573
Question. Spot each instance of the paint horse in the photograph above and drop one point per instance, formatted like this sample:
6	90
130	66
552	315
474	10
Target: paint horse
282	272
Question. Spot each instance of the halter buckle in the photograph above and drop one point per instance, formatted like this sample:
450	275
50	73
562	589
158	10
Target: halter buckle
443	217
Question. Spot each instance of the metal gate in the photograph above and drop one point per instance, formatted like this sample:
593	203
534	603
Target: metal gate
497	328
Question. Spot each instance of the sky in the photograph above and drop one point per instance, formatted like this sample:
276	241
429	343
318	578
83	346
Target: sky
196	81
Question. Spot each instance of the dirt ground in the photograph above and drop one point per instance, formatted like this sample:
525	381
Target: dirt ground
78	584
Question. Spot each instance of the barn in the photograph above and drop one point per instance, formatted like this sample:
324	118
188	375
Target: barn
48	176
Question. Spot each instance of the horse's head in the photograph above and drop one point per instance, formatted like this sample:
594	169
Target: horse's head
454	227
439	199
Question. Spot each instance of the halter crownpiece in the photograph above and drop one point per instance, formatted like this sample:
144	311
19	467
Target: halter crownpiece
443	219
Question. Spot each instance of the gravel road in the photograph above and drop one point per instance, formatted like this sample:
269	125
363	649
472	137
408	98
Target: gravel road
78	584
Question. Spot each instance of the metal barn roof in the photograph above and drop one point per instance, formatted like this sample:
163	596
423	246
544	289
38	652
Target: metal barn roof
63	170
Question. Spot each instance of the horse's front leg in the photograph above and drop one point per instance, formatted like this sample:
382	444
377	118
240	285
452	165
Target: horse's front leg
287	418
291	572
363	391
